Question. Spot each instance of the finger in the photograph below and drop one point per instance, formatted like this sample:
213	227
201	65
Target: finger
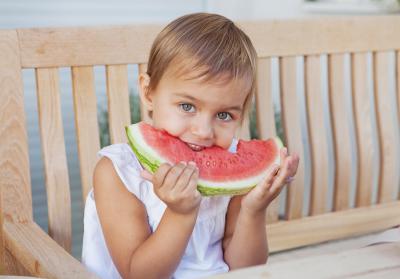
283	154
183	179
279	182
270	177
293	164
172	176
146	175
159	175
193	181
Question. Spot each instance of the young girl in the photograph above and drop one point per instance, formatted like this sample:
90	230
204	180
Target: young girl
198	87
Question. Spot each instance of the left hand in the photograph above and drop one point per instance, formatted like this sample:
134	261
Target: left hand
269	188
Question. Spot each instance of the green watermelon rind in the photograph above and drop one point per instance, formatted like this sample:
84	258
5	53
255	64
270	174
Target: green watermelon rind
148	161
151	163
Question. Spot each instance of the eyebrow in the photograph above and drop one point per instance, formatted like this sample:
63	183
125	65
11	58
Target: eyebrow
237	108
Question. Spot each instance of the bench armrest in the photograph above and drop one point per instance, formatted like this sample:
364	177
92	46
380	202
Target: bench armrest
39	253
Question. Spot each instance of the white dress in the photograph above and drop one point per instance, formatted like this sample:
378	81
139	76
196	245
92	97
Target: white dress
203	255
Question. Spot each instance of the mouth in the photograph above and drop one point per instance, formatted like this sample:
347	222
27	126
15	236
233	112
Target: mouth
195	147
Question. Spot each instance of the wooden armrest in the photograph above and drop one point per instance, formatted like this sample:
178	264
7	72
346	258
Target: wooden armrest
39	253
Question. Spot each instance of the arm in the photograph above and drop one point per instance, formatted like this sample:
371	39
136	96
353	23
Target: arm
134	250
245	240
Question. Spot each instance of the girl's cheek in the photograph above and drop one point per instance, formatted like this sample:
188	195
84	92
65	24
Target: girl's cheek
225	138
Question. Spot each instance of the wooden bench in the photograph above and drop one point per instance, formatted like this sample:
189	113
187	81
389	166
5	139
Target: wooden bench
324	69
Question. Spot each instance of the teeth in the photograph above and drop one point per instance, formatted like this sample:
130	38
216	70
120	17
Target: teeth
195	147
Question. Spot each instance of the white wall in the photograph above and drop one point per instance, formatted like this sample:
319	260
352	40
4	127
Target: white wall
35	13
256	9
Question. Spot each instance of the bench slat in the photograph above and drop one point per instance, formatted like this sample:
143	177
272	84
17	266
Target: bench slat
56	47
54	156
266	117
87	127
291	126
74	46
318	135
341	116
285	235
388	129
363	110
15	177
119	114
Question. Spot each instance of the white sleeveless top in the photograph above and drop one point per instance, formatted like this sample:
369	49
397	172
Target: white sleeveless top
203	255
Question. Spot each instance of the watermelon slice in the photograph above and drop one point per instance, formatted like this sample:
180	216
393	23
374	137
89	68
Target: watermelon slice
220	171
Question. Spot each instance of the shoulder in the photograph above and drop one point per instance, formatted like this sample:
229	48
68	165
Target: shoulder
106	179
120	154
119	161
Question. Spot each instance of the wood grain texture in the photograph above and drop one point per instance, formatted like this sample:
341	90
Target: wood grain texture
332	225
291	127
387	130
265	117
86	123
341	132
15	180
86	46
377	261
14	156
12	266
363	112
119	114
39	254
318	135
56	47
54	156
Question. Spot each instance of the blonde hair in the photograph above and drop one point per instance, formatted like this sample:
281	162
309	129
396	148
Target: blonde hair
208	44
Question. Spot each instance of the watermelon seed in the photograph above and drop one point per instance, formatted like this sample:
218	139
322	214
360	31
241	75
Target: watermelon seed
208	163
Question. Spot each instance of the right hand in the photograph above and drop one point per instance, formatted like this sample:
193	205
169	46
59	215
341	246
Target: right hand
176	186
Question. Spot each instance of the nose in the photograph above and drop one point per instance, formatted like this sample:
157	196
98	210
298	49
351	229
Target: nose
202	128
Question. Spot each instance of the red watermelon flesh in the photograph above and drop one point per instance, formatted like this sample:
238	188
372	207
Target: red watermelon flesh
220	171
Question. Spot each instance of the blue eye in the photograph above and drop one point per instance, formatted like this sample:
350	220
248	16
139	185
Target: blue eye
224	116
187	107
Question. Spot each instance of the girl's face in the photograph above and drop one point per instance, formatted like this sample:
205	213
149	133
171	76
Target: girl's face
200	113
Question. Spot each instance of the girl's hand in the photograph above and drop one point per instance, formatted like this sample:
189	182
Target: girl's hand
267	190
176	186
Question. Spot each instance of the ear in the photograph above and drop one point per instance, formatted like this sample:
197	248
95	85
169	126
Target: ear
144	91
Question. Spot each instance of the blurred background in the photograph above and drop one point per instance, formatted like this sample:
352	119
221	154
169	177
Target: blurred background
48	13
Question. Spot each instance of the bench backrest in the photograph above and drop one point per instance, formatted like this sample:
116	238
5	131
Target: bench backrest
323	71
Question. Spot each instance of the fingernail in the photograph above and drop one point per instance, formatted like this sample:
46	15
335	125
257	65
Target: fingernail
183	162
192	163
